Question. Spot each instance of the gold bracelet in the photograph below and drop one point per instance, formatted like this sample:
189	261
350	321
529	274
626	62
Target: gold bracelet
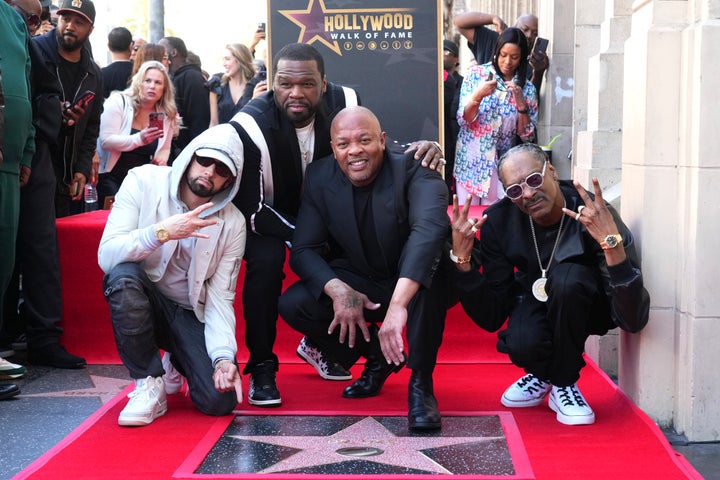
459	260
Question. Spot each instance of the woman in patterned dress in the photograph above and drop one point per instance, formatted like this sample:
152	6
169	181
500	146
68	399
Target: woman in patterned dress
498	109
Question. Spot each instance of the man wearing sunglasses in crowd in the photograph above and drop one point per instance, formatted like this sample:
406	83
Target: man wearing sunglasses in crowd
561	264
171	251
30	11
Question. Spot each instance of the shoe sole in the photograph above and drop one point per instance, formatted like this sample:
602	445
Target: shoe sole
131	421
275	402
6	376
324	375
522	403
570	420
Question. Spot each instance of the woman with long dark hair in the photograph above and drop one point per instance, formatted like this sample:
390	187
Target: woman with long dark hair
498	109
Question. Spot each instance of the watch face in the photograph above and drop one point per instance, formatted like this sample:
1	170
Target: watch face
611	241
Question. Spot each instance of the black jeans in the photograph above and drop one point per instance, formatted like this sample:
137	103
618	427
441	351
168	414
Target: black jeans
548	339
264	263
144	321
425	324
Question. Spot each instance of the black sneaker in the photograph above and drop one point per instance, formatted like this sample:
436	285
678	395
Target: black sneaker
327	367
263	390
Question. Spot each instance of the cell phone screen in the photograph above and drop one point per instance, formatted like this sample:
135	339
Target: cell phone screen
156	120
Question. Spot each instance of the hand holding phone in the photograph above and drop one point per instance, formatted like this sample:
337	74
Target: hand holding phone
541	45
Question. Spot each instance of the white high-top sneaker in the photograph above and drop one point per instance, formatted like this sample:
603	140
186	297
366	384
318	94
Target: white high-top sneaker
570	406
174	381
147	402
527	391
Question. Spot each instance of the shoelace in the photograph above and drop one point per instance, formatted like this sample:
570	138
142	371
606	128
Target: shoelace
531	384
571	396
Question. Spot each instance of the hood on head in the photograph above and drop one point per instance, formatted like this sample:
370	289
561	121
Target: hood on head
221	142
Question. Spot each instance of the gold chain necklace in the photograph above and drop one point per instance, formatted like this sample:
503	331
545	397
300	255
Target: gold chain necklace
538	286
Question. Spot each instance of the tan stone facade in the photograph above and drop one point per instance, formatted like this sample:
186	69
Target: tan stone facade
634	87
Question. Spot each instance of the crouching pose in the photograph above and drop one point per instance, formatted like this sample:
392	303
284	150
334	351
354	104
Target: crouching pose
562	264
368	237
171	253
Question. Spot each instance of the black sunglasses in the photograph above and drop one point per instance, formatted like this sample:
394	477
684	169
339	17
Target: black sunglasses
220	168
534	181
32	20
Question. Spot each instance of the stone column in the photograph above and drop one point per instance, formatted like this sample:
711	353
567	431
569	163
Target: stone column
597	151
670	177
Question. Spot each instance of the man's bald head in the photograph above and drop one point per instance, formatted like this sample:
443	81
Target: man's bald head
528	23
30	6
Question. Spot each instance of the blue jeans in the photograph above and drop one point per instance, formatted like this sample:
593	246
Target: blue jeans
145	321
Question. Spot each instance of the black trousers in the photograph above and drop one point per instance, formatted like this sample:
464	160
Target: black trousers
548	339
37	260
144	321
264	263
425	325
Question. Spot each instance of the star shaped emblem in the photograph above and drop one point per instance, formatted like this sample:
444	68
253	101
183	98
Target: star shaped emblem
365	435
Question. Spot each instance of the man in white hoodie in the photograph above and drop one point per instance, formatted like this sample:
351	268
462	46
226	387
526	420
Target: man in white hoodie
171	252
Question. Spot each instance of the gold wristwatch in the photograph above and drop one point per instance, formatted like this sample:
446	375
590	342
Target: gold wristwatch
611	241
161	233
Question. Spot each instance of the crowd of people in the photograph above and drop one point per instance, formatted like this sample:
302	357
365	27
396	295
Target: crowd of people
208	171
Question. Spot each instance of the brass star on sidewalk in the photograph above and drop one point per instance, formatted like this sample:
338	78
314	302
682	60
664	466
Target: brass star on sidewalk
367	433
104	387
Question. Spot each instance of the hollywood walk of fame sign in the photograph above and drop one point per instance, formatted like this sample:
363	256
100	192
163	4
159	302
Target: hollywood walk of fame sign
388	51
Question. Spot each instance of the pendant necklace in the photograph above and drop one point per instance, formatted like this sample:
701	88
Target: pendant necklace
538	286
304	135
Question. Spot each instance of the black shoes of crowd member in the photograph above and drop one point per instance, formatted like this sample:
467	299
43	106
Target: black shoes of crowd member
8	391
423	411
55	355
263	389
376	371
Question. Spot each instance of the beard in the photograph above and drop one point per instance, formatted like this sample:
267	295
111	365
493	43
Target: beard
69	43
200	189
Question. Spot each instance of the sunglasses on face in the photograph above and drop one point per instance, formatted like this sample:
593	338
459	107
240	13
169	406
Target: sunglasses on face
534	181
32	20
220	168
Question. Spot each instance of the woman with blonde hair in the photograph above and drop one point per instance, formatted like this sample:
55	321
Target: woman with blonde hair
230	91
136	126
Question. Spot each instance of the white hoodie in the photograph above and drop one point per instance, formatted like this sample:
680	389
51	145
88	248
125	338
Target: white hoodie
150	194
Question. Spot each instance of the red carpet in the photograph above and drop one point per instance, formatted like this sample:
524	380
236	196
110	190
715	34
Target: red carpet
622	444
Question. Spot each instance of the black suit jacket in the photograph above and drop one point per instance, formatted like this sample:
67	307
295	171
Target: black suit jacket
410	214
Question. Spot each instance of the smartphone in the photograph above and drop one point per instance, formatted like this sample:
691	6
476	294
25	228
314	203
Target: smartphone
262	75
261	27
491	76
541	45
85	98
157	120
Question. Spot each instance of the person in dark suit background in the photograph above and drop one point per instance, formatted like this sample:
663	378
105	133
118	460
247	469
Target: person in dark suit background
384	217
451	93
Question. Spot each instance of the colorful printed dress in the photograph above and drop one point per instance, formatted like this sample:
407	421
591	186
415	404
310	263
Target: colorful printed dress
491	133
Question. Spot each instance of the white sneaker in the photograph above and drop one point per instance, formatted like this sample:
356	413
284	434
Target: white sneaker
9	370
147	402
528	391
328	368
172	378
570	406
